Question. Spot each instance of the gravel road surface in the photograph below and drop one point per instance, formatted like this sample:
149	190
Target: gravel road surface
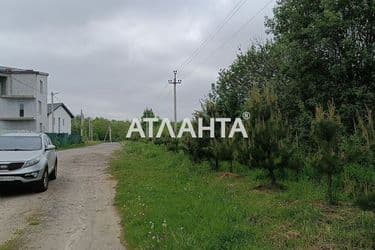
75	213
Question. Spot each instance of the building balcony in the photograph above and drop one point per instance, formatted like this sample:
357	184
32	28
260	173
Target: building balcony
10	119
18	97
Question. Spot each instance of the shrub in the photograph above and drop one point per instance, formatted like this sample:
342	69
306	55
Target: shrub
270	145
358	180
326	133
359	173
195	148
367	202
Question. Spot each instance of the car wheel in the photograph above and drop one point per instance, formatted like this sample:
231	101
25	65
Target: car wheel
42	185
53	175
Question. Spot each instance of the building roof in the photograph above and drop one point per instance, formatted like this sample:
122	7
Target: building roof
58	105
10	70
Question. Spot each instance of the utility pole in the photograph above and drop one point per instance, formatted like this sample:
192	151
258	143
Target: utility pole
82	123
110	133
106	133
175	82
53	111
92	131
91	134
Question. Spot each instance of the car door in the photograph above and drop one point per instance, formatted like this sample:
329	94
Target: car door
48	154
52	155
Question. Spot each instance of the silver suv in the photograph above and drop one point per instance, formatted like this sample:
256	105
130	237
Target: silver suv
27	158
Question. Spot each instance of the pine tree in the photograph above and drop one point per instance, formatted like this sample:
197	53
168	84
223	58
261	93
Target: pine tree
326	133
269	139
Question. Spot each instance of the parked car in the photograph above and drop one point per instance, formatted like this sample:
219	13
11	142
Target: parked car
28	158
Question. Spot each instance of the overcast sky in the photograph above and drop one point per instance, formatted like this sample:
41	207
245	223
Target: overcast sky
113	58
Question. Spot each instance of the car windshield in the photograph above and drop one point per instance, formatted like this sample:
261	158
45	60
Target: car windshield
20	143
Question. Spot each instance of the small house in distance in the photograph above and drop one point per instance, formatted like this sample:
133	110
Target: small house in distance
23	100
61	123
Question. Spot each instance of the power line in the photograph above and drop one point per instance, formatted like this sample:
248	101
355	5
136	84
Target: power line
229	16
244	25
196	52
251	19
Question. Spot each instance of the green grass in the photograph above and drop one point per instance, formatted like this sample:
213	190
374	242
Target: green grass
17	240
14	243
34	220
165	202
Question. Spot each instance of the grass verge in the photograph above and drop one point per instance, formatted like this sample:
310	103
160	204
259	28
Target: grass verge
16	242
13	243
165	202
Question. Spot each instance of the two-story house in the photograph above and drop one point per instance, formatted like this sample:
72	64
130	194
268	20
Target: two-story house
61	122
23	100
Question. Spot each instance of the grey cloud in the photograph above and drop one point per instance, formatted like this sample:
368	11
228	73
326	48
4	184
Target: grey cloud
113	58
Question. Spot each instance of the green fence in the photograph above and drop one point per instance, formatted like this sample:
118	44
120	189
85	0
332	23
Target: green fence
64	140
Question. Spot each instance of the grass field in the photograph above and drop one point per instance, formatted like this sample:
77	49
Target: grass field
165	202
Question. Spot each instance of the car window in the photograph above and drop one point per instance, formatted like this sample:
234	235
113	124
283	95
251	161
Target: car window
20	143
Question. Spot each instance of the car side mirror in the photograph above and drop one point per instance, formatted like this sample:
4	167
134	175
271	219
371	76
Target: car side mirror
50	147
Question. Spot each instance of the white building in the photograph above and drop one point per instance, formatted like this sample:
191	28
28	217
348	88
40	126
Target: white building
62	119
23	100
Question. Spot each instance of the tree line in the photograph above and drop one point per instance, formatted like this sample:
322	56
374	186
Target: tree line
310	92
100	128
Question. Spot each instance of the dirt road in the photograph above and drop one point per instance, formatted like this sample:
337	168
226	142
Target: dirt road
75	213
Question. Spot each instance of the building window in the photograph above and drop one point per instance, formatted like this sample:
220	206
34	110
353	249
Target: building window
63	122
41	87
22	110
41	127
40	107
3	85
